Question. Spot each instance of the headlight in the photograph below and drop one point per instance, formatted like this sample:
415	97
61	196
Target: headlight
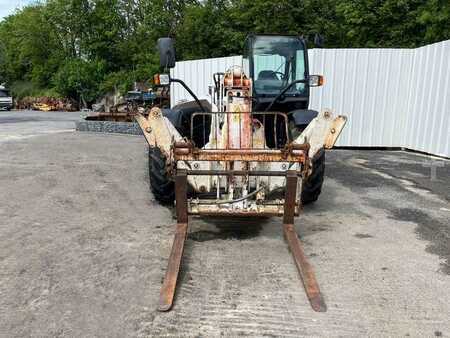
316	80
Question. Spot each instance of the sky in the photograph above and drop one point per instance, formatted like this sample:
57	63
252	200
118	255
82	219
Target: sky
7	7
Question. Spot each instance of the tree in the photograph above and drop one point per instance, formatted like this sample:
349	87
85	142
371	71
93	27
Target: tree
29	47
393	23
83	48
205	31
79	79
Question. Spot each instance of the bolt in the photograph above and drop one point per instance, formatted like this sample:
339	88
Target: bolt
148	130
196	165
155	113
333	130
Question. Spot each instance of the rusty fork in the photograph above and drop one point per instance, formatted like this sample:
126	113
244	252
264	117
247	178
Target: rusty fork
170	280
304	268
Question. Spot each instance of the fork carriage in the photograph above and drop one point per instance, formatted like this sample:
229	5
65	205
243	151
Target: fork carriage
232	180
237	168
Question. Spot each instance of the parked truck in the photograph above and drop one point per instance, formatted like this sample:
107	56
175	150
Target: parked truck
6	100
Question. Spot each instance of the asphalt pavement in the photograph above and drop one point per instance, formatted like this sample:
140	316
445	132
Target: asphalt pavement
17	125
85	246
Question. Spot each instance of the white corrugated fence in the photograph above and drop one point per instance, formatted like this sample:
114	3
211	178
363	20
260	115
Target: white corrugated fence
198	75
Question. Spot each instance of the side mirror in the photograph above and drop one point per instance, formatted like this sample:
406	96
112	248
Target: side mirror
316	80
166	53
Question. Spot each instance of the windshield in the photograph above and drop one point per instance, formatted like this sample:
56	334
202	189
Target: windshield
4	93
277	61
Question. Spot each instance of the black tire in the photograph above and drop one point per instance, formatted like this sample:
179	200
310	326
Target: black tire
162	186
312	186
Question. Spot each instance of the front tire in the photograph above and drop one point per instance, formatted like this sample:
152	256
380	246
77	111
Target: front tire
312	186
161	184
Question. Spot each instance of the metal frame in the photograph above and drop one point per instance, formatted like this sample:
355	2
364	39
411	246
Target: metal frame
261	116
295	153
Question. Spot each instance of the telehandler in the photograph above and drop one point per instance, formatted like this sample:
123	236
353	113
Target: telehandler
255	149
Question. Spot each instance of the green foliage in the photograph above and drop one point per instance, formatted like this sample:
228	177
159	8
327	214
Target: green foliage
205	31
21	89
27	42
84	48
79	79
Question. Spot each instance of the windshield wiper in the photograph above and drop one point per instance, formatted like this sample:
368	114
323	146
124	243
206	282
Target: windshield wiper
283	91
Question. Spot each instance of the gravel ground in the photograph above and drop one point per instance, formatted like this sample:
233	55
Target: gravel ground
109	127
84	248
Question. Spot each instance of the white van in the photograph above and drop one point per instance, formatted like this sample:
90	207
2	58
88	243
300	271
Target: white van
6	101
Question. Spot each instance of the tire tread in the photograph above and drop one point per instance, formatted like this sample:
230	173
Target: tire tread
162	186
312	187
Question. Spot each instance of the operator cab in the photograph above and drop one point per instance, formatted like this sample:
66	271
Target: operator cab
274	62
278	66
